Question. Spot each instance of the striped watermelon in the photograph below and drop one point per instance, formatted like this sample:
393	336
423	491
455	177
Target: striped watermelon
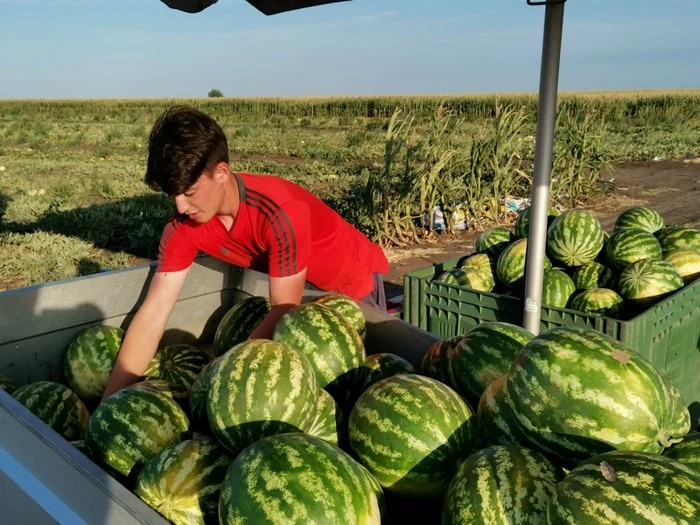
177	363
297	478
625	486
382	365
330	343
7	384
522	223
601	301
411	432
483	355
511	264
575	238
435	362
348	308
577	392
183	483
499	485
593	275
645	283
239	322
679	239
198	396
178	393
481	261
687	451
640	218
469	277
260	388
57	406
496	418
631	245
557	288
89	359
494	240
133	425
329	421
687	262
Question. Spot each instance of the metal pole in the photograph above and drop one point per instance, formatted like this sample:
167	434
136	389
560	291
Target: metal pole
546	116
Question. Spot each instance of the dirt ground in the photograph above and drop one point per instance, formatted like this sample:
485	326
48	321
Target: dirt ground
670	187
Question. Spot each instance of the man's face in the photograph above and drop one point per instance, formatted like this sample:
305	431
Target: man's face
202	200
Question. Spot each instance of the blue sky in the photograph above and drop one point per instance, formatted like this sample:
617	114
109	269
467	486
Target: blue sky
141	48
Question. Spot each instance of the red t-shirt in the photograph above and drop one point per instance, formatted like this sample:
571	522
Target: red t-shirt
280	229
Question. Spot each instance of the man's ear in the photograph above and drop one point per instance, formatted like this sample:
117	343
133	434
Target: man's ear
221	172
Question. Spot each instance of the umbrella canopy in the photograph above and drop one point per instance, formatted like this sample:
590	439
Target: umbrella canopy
268	7
546	117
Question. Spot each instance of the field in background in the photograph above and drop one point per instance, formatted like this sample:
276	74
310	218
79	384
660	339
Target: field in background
72	200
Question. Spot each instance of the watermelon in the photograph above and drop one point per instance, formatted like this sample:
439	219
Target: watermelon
178	393
687	262
435	362
483	355
577	392
593	275
469	277
177	363
484	263
557	288
297	478
330	343
183	483
575	238
494	240
624	486
7	384
522	223
496	418
501	484
631	245
239	322
382	365
89	359
348	308
260	388
601	301
645	283
328	423
640	218
132	426
411	432
57	406
511	264
687	451
198	396
680	239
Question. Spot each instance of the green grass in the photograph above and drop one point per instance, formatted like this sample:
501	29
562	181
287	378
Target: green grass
72	200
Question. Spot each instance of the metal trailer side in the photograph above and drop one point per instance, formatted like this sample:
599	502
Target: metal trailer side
43	478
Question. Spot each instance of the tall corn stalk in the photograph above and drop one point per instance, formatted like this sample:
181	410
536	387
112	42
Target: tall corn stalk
494	167
579	155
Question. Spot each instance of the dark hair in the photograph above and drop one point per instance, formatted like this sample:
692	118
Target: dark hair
183	144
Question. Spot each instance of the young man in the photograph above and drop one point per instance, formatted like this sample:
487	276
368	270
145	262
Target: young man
255	221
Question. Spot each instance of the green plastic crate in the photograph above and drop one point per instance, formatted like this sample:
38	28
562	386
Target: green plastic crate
668	334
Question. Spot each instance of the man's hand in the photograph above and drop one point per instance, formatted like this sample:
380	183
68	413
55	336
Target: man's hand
285	294
145	331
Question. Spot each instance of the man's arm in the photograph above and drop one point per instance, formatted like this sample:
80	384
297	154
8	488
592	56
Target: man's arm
146	330
285	294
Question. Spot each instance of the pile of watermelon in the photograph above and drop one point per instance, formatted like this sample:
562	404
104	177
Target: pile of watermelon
493	426
618	274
